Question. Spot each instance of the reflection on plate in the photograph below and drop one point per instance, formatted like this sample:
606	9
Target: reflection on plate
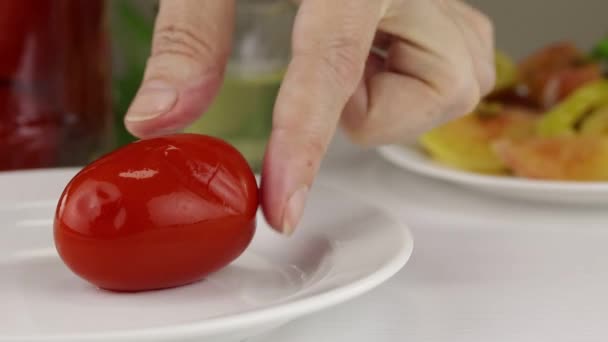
413	159
343	249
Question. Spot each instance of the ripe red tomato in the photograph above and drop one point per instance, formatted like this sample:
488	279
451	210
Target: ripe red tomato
157	213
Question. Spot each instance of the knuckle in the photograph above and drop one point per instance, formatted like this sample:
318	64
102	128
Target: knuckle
487	78
477	20
484	26
183	41
358	137
465	99
377	136
461	92
345	42
370	133
340	60
343	57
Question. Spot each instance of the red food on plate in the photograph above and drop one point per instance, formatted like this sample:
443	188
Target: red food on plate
554	72
157	213
570	158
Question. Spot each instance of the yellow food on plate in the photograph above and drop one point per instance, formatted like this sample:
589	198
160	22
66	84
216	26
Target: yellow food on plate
562	119
466	143
506	71
547	118
596	123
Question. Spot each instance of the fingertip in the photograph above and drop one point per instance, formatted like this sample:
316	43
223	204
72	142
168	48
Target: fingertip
160	108
153	99
286	180
271	188
294	209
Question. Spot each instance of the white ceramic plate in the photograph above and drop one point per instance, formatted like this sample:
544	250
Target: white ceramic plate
414	159
343	248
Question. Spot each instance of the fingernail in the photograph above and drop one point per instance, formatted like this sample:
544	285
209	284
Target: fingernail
293	210
153	99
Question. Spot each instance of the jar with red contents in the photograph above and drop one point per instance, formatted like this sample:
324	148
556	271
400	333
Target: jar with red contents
54	82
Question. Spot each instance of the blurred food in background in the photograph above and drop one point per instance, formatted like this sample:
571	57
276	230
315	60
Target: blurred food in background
54	82
242	111
547	118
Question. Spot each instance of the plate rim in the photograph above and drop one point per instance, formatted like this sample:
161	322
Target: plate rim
398	154
281	311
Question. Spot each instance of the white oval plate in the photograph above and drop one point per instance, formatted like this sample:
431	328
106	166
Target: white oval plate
414	159
343	248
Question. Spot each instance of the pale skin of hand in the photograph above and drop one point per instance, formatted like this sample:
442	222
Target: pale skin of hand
436	62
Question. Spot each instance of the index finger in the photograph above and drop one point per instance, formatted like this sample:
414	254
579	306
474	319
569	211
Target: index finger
331	42
190	49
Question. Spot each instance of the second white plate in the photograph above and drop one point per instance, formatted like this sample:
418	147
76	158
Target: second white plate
414	159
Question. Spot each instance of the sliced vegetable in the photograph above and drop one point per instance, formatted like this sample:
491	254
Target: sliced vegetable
551	57
486	108
596	123
553	73
562	119
466	143
563	83
506	71
575	158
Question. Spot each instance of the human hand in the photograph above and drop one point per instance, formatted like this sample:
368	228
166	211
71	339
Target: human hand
435	62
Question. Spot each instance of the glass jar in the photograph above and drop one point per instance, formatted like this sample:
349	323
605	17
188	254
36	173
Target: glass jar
54	85
242	111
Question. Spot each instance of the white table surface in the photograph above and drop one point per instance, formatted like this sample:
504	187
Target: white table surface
483	268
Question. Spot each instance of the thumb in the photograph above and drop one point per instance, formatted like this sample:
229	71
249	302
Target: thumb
190	49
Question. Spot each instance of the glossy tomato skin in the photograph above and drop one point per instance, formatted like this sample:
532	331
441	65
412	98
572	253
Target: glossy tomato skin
157	213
